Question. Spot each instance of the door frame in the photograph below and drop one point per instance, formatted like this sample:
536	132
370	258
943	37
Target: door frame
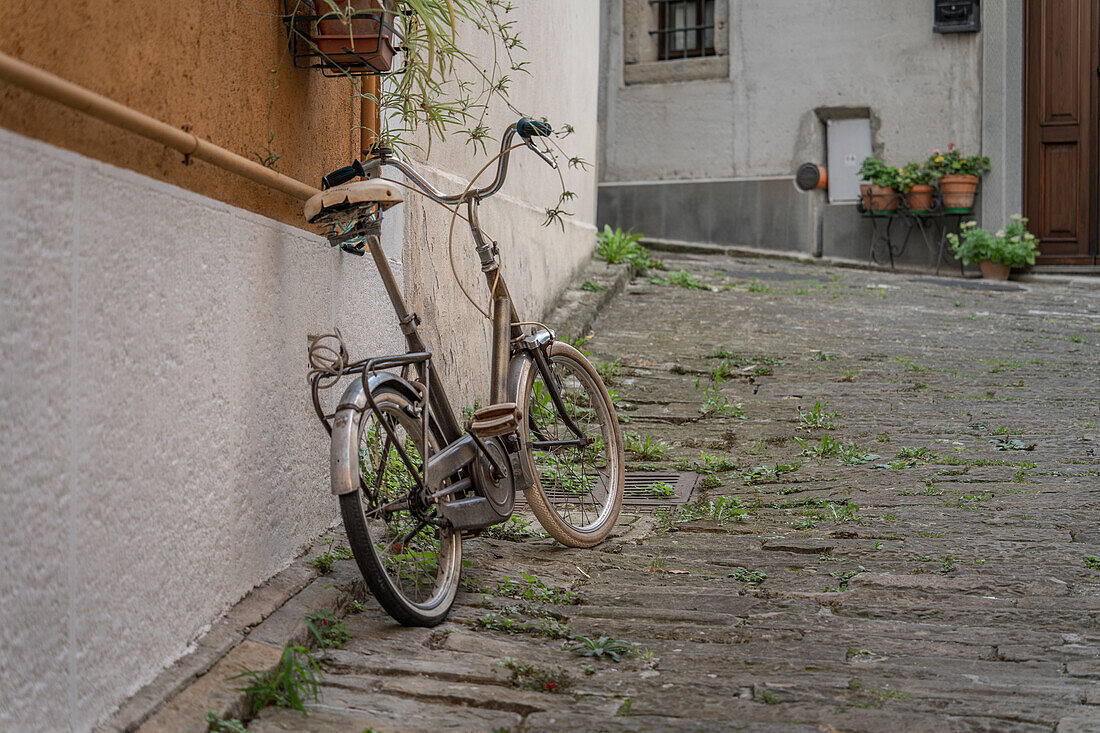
1091	136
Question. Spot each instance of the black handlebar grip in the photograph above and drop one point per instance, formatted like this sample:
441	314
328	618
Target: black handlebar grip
343	175
528	128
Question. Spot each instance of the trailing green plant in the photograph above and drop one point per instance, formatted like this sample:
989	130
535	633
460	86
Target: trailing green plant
874	170
954	163
1014	245
913	174
295	679
615	246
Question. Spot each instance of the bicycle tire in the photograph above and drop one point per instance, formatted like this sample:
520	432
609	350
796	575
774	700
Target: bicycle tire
566	476
397	564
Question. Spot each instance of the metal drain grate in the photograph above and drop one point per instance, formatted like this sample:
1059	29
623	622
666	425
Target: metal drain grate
638	489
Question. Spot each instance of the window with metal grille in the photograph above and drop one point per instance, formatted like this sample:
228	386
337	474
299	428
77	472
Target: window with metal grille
685	28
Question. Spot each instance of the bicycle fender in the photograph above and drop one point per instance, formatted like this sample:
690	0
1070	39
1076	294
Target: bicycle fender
519	371
344	453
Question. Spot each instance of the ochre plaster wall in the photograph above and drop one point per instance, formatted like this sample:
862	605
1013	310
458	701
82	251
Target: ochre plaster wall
207	64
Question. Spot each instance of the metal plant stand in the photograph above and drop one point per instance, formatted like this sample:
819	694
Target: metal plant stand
933	225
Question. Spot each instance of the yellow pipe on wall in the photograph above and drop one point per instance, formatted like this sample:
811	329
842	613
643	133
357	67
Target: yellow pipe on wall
53	87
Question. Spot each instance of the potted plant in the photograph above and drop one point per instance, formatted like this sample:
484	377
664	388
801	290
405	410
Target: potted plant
356	34
878	194
958	177
996	254
915	182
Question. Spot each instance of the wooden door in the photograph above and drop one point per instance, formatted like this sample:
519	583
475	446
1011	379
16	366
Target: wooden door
1062	128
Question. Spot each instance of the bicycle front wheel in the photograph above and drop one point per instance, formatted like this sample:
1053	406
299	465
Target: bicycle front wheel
578	488
410	559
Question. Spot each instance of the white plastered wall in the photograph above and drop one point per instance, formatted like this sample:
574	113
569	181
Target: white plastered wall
160	454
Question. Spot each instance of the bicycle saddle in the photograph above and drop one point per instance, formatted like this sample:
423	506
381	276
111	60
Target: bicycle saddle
343	202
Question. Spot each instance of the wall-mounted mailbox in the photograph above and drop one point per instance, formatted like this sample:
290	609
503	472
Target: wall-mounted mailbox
957	16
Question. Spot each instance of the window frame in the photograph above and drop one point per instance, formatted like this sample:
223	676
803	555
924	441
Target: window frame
665	31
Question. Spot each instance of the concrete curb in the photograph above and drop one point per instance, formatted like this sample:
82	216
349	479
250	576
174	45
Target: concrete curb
578	308
252	634
1088	281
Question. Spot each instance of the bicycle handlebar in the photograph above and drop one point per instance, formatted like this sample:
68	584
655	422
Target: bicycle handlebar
526	128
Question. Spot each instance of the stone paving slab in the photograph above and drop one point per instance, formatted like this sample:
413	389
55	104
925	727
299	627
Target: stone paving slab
941	584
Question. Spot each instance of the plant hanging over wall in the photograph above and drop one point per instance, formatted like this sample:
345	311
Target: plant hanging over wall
438	85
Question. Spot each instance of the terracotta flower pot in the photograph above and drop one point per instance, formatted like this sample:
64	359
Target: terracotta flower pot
369	42
878	198
994	271
958	193
919	197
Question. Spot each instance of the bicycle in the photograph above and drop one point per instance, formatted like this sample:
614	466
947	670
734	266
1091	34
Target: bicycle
412	484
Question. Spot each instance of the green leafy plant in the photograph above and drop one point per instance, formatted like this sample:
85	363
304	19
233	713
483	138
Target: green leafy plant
1092	563
295	679
955	163
1014	245
913	174
326	561
615	246
707	463
647	448
217	724
604	646
680	279
817	418
875	171
329	631
761	474
749	577
531	588
515	529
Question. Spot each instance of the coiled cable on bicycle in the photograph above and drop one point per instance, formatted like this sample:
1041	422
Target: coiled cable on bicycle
327	359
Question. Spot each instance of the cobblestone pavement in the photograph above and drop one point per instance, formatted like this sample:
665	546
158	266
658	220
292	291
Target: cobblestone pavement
898	529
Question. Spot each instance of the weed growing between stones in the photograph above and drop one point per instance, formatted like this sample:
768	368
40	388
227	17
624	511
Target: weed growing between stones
647	448
511	620
716	403
749	577
327	560
681	279
764	474
539	679
609	371
217	724
531	588
296	678
830	447
720	510
329	631
603	646
1092	563
516	529
817	418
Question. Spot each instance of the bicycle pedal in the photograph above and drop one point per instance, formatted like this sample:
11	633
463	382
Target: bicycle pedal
495	420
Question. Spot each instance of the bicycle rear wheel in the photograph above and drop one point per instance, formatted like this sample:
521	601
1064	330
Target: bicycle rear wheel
578	487
410	559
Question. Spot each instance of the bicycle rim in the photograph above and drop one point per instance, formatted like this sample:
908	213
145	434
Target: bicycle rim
579	487
411	561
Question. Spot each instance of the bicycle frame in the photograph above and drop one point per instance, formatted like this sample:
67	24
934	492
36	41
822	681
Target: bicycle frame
512	355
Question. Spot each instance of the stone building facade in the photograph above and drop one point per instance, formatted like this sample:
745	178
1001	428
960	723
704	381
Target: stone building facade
702	145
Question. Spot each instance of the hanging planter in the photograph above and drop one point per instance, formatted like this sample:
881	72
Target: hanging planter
344	36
